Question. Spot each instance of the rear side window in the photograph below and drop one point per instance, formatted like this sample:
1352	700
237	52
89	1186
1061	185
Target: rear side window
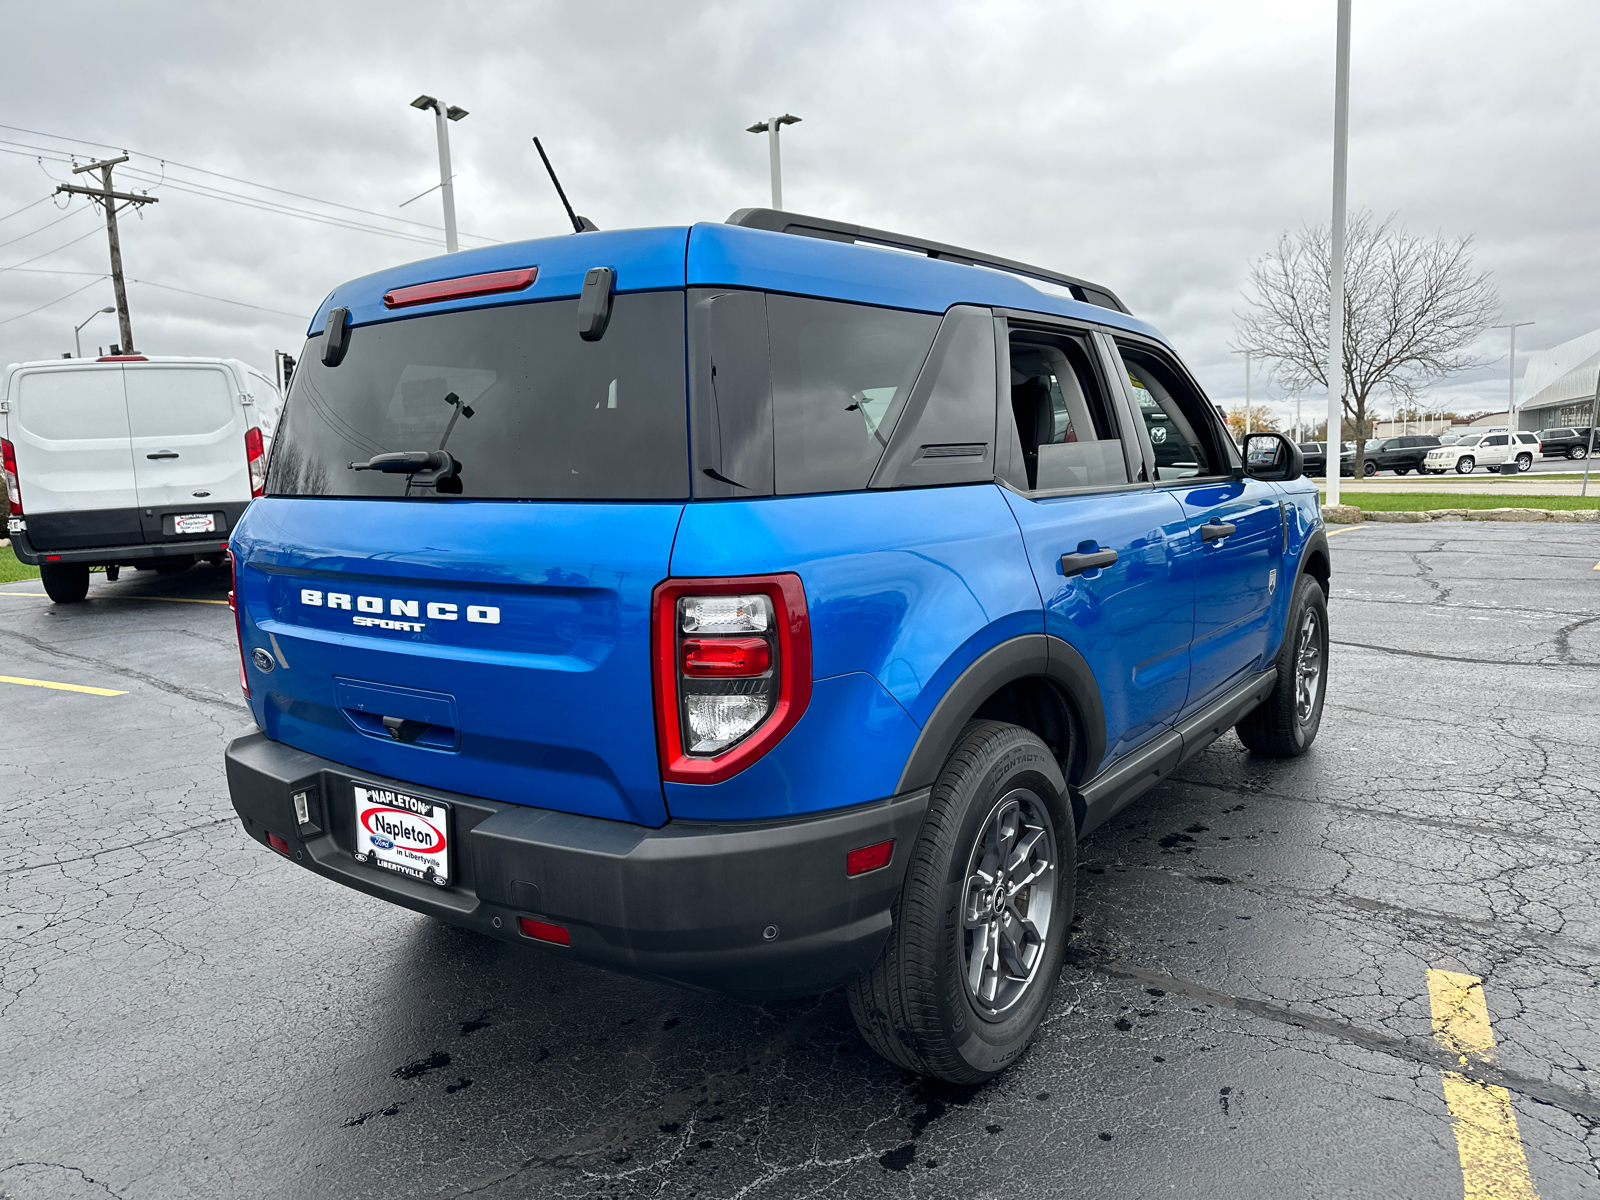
840	375
528	408
1175	417
1064	423
71	405
177	401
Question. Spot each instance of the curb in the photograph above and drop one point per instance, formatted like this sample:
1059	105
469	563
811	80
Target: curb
1349	514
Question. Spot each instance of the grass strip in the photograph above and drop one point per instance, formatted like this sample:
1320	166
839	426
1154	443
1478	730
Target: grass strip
11	570
1427	501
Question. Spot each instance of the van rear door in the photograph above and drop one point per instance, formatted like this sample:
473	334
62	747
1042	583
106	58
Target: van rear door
189	458
74	464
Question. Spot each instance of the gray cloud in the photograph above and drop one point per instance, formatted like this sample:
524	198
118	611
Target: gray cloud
1158	147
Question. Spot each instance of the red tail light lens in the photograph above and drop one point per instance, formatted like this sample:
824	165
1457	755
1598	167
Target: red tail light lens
8	459
255	453
238	621
543	931
868	858
732	671
278	844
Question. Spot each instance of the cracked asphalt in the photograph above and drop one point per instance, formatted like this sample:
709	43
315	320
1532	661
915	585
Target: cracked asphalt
1244	1012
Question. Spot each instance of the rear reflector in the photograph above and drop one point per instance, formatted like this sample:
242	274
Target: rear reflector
544	931
462	286
868	858
278	844
726	656
52	558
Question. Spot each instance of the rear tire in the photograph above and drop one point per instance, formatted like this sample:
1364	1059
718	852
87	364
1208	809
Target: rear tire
1578	452
963	981
1286	722
65	583
1524	462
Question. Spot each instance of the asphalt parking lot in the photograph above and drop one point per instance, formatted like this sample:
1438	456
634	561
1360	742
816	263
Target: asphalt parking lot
1246	1010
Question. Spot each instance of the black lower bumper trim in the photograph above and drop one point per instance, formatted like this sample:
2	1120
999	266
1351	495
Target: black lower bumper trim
757	909
104	556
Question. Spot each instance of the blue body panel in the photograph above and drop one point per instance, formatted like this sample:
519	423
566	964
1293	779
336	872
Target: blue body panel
551	702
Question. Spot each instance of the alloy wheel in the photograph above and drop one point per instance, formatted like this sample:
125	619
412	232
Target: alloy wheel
1008	902
1307	666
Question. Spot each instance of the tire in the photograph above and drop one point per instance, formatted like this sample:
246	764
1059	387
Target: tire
174	566
65	583
1578	452
1369	469
1285	724
1524	462
1464	465
916	1005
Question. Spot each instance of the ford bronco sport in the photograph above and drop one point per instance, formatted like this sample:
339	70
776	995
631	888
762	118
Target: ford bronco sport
764	606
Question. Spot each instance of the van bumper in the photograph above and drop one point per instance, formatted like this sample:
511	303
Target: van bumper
105	556
756	909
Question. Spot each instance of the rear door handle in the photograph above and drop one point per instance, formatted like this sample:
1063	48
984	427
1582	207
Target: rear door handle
1077	564
1215	531
163	454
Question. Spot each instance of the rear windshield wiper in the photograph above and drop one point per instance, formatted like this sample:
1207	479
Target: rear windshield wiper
427	468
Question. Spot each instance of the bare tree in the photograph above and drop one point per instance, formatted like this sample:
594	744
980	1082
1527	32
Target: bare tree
1413	307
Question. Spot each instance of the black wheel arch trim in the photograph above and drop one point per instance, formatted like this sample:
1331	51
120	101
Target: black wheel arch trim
1033	655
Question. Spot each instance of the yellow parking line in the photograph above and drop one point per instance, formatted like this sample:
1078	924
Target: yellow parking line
1346	529
165	599
1493	1164
60	687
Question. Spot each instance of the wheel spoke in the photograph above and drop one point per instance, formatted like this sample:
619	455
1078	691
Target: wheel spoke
1024	850
1005	921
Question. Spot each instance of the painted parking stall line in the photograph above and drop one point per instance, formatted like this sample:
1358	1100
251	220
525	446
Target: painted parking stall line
60	687
1493	1163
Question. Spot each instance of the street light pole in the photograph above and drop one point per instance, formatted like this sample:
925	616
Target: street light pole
443	114
76	329
770	127
1511	376
1341	159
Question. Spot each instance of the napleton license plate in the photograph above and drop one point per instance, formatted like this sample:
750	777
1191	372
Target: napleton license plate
194	523
403	833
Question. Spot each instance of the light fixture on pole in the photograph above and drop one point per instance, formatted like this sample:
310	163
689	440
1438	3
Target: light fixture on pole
1341	161
1511	376
770	127
76	343
442	114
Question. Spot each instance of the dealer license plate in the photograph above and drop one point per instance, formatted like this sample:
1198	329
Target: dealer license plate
403	833
194	523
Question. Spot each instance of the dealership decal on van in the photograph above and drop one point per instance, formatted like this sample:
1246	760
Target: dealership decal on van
478	614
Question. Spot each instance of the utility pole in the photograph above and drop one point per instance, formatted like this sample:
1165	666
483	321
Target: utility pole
1511	375
441	115
770	127
1341	162
108	197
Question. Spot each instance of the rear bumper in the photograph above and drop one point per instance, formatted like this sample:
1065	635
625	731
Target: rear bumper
104	556
694	903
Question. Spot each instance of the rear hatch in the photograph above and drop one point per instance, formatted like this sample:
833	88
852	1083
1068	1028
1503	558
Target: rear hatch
496	613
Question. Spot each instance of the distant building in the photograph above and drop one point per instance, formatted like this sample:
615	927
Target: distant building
1558	385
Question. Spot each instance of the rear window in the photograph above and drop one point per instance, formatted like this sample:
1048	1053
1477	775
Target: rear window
73	405
175	401
528	408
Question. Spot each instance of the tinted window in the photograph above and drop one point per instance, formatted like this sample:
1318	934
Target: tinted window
1526	438
528	408
840	374
1498	439
1064	423
1175	416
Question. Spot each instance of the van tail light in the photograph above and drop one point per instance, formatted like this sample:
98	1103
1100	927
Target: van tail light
732	667
255	452
238	620
8	457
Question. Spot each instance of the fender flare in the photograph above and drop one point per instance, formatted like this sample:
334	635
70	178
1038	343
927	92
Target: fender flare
1033	655
1316	543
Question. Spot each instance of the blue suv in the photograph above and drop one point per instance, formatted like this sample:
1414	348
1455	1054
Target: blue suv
763	606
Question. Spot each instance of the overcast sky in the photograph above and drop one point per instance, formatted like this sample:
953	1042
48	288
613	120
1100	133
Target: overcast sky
1158	147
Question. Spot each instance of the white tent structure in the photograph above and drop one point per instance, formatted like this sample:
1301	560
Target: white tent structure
1558	384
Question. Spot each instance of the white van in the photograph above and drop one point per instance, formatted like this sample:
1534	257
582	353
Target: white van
130	461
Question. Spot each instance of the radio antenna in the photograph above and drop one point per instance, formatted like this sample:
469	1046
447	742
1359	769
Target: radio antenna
579	224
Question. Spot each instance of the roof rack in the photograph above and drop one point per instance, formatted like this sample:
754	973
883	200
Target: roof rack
837	231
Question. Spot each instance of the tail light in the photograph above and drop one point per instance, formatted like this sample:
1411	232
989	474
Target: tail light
8	457
255	451
238	621
732	671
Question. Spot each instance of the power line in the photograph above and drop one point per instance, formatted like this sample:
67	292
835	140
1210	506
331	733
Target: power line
300	316
24	208
47	253
71	213
57	300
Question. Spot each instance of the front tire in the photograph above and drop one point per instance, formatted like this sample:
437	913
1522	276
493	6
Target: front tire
1464	465
981	922
1286	722
65	583
1369	469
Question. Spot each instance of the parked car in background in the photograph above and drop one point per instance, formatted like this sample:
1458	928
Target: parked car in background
1565	442
1402	455
129	461
1316	459
1482	450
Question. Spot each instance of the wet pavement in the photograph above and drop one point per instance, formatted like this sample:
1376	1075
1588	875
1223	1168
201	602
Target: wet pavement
1245	1012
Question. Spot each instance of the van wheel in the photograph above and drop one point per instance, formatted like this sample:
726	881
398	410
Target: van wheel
981	923
65	583
174	566
1285	723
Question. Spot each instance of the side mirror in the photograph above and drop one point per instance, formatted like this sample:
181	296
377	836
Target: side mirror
1272	456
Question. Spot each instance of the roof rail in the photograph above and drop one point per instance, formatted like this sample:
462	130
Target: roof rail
837	231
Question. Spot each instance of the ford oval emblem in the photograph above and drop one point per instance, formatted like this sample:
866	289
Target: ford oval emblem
262	659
